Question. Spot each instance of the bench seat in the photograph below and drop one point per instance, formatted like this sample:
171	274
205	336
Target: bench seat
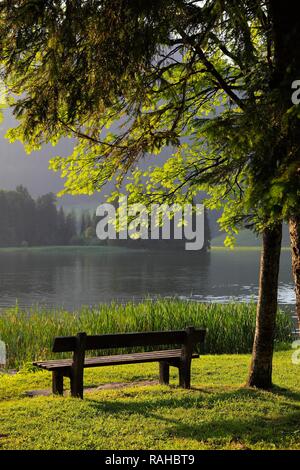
133	358
185	342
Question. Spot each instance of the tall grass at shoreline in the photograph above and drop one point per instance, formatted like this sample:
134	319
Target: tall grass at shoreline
29	334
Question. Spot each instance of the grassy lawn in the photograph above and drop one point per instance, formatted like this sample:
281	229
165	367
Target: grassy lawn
218	413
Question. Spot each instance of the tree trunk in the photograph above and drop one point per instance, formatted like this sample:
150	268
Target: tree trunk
294	226
260	375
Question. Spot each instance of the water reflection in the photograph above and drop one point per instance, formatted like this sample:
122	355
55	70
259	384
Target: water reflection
75	276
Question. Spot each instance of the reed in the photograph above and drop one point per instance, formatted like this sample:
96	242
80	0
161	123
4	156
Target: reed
28	334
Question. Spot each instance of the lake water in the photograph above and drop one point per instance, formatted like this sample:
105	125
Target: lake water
72	277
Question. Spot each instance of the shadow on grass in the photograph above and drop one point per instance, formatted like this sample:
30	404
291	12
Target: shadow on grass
252	428
285	392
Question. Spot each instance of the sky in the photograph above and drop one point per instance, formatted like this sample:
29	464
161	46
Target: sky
17	167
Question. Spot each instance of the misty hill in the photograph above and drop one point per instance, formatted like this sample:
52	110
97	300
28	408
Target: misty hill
248	238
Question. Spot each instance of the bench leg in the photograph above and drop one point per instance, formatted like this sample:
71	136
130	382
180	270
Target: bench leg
185	374
57	383
164	373
76	374
76	379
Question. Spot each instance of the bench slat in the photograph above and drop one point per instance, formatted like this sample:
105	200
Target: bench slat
121	340
151	356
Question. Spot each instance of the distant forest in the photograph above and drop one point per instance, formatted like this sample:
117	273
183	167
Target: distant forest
28	222
25	221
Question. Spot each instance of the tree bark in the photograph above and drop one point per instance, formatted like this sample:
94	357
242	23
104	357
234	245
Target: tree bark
260	374
294	226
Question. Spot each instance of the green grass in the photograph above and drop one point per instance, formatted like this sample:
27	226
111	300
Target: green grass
217	413
244	248
29	334
63	248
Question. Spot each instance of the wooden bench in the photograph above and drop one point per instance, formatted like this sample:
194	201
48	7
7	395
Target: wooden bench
73	368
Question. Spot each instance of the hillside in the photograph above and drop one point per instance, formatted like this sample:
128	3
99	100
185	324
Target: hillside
248	238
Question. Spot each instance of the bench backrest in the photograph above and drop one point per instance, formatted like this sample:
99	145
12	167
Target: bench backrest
122	340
